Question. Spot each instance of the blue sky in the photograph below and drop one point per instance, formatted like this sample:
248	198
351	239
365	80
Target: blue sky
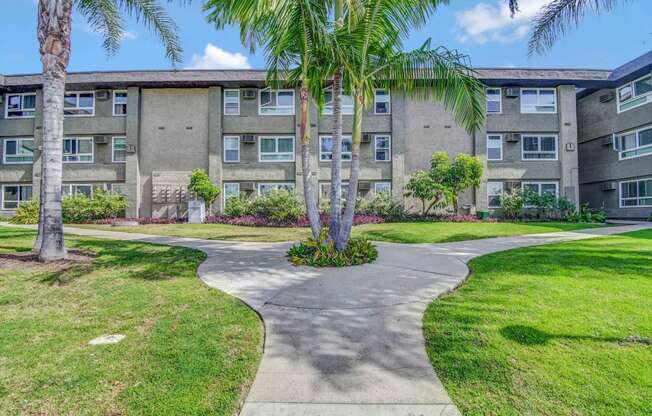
480	28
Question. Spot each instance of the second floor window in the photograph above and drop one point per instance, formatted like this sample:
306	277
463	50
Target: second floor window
120	99
494	104
383	148
347	103
635	93
79	104
19	151
231	148
538	100
275	102
494	147
635	143
78	150
119	150
382	102
276	149
20	105
232	102
539	147
326	148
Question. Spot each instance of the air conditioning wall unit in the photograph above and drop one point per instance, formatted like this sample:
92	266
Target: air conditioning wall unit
103	95
249	94
512	137
248	139
609	96
512	92
247	187
366	138
609	186
364	185
101	139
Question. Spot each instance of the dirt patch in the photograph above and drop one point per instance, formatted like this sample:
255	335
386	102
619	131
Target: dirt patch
29	261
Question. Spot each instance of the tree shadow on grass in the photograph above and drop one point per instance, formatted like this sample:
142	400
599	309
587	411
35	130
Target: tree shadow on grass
530	336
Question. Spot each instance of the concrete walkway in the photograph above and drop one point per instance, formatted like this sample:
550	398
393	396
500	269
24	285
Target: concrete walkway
345	342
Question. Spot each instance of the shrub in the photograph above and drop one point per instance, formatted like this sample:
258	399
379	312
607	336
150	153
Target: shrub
202	186
238	206
512	204
586	214
279	205
27	213
384	205
76	209
322	252
79	208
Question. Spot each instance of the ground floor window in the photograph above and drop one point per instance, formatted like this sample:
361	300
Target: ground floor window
494	194
382	187
76	189
14	195
119	188
325	190
266	188
231	190
637	193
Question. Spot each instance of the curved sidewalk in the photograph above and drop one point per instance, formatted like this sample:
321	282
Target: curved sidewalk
345	342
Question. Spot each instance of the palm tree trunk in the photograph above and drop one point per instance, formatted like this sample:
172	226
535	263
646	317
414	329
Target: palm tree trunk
336	162
349	210
54	40
308	191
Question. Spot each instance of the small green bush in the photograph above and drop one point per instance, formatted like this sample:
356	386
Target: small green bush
322	252
279	205
27	213
384	205
512	204
586	214
79	208
239	206
202	186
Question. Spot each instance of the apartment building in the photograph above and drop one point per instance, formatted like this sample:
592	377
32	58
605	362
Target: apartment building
142	132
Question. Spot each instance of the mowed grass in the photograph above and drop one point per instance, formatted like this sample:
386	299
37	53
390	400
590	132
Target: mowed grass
189	349
432	232
562	329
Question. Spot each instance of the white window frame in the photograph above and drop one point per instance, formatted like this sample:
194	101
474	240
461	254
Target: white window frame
556	183
22	100
276	186
81	161
113	149
344	189
634	97
112	186
538	90
500	100
637	133
79	108
539	136
114	103
502	191
347	109
224	185
225	149
276	106
389	101
322	153
18	146
260	145
19	201
637	198
388	184
389	149
71	185
237	90
500	147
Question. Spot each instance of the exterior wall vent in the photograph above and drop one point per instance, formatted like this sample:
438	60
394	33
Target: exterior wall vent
512	92
366	138
247	186
102	95
248	139
101	139
609	186
364	185
605	98
512	137
249	94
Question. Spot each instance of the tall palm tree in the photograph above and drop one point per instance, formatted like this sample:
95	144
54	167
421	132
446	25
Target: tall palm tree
295	36
53	32
555	19
372	56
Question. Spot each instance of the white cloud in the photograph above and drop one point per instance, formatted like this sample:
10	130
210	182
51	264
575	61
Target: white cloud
129	35
218	58
126	35
492	22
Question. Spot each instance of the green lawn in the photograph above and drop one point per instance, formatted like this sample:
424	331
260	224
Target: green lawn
562	329
188	349
433	232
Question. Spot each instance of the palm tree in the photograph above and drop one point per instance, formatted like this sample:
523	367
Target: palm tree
53	32
555	18
294	34
372	56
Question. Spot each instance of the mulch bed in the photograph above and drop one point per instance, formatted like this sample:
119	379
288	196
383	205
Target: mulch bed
29	261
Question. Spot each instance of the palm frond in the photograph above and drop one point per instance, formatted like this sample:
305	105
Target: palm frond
104	18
